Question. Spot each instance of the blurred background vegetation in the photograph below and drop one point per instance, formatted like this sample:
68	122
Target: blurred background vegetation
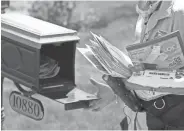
114	20
76	14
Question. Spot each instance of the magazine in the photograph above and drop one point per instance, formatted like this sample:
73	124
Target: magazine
166	52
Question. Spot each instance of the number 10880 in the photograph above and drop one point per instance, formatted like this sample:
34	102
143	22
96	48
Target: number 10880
26	105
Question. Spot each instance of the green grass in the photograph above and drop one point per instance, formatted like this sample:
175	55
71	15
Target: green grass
119	32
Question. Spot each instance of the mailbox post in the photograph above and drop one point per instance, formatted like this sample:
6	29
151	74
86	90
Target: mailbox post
4	5
26	42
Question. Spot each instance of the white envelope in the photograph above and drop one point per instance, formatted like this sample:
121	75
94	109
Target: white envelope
77	95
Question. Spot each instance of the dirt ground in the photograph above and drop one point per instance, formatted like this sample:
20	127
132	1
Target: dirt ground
119	32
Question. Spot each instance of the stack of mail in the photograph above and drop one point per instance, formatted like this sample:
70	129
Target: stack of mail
107	58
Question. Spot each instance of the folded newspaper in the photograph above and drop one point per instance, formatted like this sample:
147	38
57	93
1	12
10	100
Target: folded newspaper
107	58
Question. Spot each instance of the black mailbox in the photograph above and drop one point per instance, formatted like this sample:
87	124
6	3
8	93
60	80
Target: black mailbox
25	41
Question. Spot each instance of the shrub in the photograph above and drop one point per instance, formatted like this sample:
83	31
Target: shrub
57	12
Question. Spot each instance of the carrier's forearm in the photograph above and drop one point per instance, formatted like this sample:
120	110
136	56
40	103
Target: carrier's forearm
126	95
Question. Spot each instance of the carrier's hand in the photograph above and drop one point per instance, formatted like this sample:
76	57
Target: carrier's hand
105	94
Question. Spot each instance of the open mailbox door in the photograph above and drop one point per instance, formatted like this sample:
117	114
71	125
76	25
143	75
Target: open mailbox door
25	42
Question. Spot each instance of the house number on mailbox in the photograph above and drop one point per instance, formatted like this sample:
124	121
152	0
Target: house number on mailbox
26	105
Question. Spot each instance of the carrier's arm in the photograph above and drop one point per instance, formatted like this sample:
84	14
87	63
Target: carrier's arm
118	86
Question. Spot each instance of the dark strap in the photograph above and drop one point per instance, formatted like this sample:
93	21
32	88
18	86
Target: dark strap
170	101
170	116
135	126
